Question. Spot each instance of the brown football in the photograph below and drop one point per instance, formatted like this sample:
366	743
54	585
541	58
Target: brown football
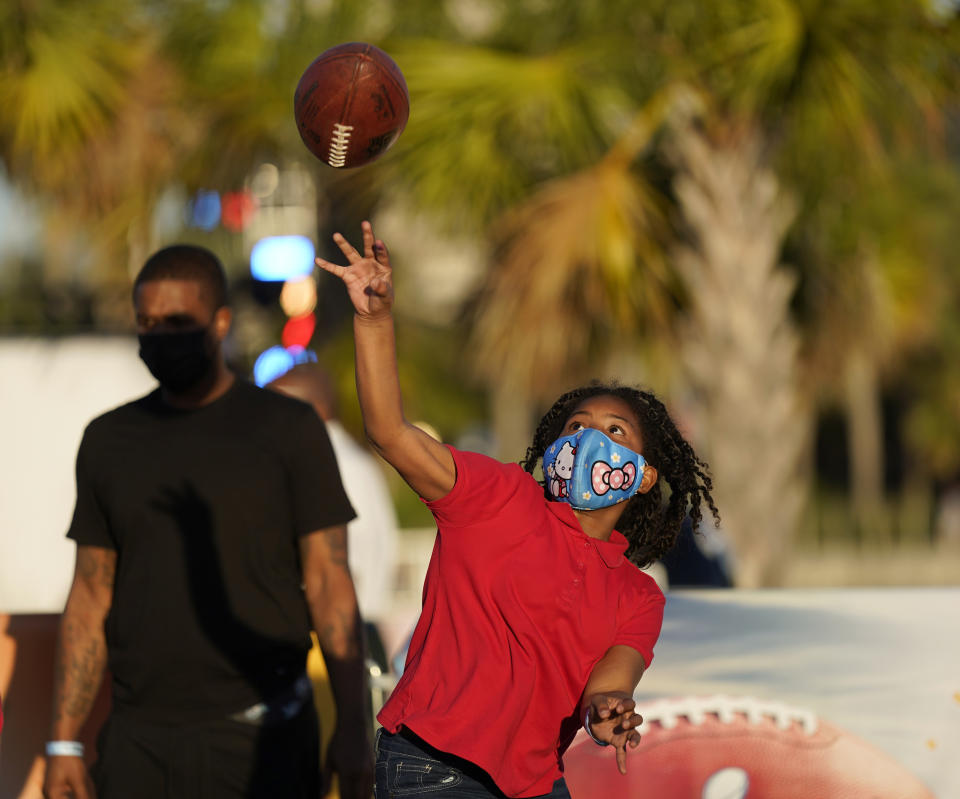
351	104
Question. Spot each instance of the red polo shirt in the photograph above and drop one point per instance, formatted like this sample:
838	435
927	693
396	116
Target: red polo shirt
518	605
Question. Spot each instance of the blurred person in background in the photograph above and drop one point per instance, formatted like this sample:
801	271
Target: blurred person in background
534	621
210	524
372	535
700	559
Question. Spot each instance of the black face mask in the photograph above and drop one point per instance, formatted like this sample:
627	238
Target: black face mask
178	360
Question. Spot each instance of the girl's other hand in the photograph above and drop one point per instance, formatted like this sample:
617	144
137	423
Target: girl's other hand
613	721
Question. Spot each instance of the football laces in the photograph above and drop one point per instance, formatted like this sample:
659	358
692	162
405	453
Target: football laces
667	713
339	144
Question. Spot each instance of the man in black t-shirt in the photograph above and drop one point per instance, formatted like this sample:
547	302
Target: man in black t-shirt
205	555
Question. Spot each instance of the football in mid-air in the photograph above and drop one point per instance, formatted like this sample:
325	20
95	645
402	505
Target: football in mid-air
728	747
351	104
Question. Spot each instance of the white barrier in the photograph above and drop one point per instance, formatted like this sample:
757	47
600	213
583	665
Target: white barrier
49	390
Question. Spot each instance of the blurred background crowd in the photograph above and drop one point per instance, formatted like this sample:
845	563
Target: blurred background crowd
749	206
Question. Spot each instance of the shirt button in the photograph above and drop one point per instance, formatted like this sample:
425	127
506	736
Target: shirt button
580	564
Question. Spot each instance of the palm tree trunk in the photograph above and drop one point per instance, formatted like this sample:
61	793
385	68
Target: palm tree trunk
513	423
864	439
740	345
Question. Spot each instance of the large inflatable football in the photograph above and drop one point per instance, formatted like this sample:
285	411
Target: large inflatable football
725	747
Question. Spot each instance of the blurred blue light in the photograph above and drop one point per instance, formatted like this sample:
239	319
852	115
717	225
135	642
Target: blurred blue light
205	213
300	355
271	364
277	361
282	258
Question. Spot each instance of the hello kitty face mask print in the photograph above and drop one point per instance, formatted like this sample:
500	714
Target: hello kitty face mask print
590	471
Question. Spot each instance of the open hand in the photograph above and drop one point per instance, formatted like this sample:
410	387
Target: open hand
368	277
613	721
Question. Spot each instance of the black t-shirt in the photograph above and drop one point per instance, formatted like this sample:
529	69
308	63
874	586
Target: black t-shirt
204	509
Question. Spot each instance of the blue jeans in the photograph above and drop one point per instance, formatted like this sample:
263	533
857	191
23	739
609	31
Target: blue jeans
407	766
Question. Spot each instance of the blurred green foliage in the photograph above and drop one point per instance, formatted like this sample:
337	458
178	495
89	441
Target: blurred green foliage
547	129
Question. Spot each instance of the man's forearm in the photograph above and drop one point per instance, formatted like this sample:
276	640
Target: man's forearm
78	671
82	648
332	602
349	753
340	633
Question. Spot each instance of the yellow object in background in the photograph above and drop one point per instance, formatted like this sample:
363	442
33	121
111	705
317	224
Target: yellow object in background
323	701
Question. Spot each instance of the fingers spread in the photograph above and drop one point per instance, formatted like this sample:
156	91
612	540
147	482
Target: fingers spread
346	248
333	269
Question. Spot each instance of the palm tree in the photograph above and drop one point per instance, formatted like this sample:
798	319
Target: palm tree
784	80
739	343
565	291
789	82
620	219
94	125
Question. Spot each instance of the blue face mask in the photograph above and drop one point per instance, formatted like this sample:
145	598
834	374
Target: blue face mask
591	471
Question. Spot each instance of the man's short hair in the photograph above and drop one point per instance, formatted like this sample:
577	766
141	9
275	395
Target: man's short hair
186	262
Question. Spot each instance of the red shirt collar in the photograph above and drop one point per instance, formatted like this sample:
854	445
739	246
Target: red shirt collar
611	552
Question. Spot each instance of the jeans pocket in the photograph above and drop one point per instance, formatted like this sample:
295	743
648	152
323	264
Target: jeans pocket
376	741
412	776
380	788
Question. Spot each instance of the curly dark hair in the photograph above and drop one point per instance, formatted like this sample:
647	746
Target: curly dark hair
649	523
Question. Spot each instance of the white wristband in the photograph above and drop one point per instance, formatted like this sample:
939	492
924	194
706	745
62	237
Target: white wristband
64	749
586	726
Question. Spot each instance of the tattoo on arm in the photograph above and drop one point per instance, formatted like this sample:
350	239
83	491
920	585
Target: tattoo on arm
96	567
81	650
108	572
88	564
78	671
330	593
340	635
336	541
336	619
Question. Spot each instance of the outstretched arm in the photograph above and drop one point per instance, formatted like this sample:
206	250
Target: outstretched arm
608	698
423	462
80	663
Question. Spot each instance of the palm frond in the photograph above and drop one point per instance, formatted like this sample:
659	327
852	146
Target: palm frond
64	85
581	266
486	124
